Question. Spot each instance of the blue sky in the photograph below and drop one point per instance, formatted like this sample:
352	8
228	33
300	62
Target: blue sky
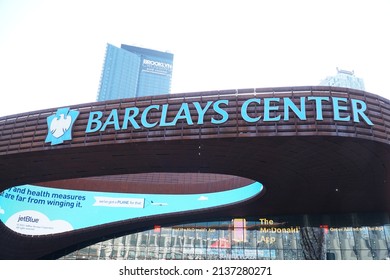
52	51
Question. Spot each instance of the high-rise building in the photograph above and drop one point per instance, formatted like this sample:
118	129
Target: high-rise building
131	71
344	78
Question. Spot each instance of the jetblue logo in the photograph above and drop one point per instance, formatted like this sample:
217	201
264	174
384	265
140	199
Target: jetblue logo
60	126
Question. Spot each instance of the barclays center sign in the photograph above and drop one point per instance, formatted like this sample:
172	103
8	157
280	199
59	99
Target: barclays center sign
270	109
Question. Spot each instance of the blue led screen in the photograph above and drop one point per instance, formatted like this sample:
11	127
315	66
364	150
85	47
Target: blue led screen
35	210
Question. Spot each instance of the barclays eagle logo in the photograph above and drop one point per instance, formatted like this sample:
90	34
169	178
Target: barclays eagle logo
60	126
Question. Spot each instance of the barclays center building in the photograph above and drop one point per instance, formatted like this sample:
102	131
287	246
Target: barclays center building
267	173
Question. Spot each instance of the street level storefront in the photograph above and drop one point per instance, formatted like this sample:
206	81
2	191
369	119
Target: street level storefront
266	173
264	239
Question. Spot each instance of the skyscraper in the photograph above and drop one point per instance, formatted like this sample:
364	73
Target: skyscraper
344	78
131	71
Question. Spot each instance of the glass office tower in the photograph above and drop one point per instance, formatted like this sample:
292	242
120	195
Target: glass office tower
344	78
131	71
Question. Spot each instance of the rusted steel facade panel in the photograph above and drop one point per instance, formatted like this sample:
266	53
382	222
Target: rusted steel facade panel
31	129
300	161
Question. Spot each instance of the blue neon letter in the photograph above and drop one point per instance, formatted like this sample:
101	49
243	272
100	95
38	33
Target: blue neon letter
337	108
301	114
130	118
356	111
244	110
202	111
112	119
268	108
94	118
318	101
220	111
144	120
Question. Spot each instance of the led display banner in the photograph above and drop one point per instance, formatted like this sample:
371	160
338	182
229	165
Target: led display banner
36	210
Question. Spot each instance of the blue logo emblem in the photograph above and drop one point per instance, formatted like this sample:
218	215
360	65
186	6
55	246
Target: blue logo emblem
60	126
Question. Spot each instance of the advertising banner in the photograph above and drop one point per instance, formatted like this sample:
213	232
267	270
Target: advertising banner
35	210
156	67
